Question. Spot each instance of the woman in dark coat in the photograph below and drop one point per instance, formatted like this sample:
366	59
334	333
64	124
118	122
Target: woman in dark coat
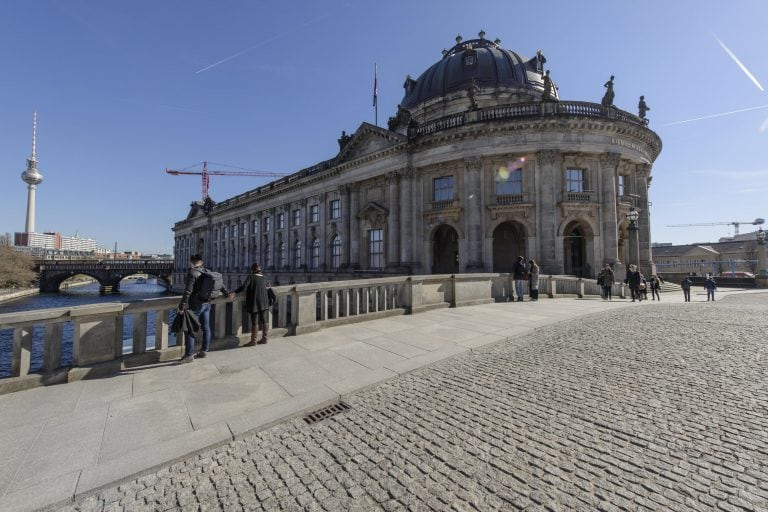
257	303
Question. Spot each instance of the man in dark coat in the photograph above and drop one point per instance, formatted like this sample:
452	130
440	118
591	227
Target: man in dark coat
520	275
198	306
633	279
258	299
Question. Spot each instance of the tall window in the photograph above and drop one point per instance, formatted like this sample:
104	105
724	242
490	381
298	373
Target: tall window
622	187
574	180
314	260
267	224
314	213
234	231
508	183
281	262
297	255
254	227
297	217
375	248
224	233
335	208
336	252
280	220
442	189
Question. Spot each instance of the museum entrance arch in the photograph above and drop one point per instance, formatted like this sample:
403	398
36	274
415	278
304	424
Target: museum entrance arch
575	241
445	250
508	244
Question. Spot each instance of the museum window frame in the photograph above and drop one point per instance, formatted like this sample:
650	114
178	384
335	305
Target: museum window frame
336	252
334	209
575	180
267	221
511	184
443	188
297	217
621	185
376	249
280	220
254	226
297	254
314	213
314	260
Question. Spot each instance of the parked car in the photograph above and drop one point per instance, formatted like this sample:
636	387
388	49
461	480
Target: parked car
737	274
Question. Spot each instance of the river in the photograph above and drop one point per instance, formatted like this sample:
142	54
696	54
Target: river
130	291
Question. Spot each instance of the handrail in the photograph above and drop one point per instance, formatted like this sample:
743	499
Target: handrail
108	336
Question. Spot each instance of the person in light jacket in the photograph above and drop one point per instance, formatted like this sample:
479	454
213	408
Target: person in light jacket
258	298
533	277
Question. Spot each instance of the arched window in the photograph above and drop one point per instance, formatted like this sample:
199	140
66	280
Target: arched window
297	255
336	252
314	258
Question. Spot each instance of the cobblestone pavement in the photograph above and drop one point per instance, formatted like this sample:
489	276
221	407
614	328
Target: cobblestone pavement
655	407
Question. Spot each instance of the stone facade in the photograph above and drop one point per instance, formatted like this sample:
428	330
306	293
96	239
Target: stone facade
464	181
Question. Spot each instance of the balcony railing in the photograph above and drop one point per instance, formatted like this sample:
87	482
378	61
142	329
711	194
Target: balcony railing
107	338
443	205
578	197
510	199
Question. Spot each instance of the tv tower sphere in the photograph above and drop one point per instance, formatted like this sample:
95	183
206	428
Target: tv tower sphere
32	178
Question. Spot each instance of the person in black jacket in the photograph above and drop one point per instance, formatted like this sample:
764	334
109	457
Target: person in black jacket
199	306
258	299
520	276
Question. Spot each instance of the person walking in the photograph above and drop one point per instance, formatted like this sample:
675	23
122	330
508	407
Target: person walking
533	278
519	275
655	285
633	280
199	289
711	286
258	298
606	279
685	284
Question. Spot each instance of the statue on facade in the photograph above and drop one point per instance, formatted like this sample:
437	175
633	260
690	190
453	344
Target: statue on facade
549	89
344	140
642	108
472	94
609	94
540	61
402	118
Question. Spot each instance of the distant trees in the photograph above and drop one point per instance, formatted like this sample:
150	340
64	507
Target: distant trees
16	268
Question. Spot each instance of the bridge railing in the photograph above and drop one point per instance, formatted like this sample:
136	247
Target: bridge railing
65	344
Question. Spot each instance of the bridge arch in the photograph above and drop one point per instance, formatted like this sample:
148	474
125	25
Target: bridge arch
108	273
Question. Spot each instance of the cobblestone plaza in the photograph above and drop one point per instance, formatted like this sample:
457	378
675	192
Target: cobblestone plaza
661	407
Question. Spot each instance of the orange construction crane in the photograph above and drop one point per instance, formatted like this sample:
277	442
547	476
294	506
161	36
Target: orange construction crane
206	174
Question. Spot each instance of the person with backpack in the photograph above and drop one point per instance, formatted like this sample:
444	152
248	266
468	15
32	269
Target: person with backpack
200	286
258	299
711	286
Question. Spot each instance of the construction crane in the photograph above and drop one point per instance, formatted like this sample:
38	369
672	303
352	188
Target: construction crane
206	174
735	225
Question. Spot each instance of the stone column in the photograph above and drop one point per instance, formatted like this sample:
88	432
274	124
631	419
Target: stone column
417	226
546	213
473	199
393	221
271	237
354	225
609	221
323	234
346	242
304	232
643	182
406	213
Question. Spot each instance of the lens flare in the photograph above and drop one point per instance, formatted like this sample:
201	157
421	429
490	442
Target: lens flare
502	173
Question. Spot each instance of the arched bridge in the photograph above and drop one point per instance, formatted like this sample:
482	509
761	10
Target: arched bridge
108	273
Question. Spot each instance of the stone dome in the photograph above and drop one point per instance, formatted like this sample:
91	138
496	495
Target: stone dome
491	66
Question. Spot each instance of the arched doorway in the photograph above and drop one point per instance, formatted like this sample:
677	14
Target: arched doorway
575	251
508	244
445	251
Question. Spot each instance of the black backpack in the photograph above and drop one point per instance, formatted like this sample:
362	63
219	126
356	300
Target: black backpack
209	285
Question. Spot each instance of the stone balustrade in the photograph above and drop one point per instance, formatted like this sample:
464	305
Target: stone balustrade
100	347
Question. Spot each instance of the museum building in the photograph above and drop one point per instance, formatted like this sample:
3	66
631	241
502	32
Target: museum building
482	163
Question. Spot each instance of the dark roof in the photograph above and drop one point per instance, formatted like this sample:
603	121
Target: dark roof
494	67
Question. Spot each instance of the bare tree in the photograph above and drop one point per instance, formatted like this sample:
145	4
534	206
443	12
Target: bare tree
6	240
16	268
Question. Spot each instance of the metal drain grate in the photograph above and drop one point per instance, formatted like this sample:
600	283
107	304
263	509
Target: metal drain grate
326	412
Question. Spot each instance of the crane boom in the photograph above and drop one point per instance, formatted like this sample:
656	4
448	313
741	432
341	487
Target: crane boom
205	173
735	224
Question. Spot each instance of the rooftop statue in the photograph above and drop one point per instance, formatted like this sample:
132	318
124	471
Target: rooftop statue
472	94
609	94
642	109
344	140
540	61
549	89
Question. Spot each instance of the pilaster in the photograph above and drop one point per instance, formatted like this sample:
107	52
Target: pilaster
546	216
393	221
406	216
609	220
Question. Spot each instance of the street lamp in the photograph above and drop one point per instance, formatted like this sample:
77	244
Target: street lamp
634	241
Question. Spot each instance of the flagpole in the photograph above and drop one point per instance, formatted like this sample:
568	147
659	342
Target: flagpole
376	93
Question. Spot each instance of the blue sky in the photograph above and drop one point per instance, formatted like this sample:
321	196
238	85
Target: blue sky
119	96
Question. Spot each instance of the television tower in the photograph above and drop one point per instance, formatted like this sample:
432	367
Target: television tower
32	178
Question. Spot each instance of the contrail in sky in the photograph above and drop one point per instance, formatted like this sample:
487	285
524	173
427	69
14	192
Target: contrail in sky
717	115
257	45
738	63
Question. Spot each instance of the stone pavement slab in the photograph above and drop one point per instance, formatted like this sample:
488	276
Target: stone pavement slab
74	438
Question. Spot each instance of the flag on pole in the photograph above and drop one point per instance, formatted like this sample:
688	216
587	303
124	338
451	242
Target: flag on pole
375	84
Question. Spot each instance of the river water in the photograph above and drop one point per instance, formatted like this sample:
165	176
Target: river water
130	291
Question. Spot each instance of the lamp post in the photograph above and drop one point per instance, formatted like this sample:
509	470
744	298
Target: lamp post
634	241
